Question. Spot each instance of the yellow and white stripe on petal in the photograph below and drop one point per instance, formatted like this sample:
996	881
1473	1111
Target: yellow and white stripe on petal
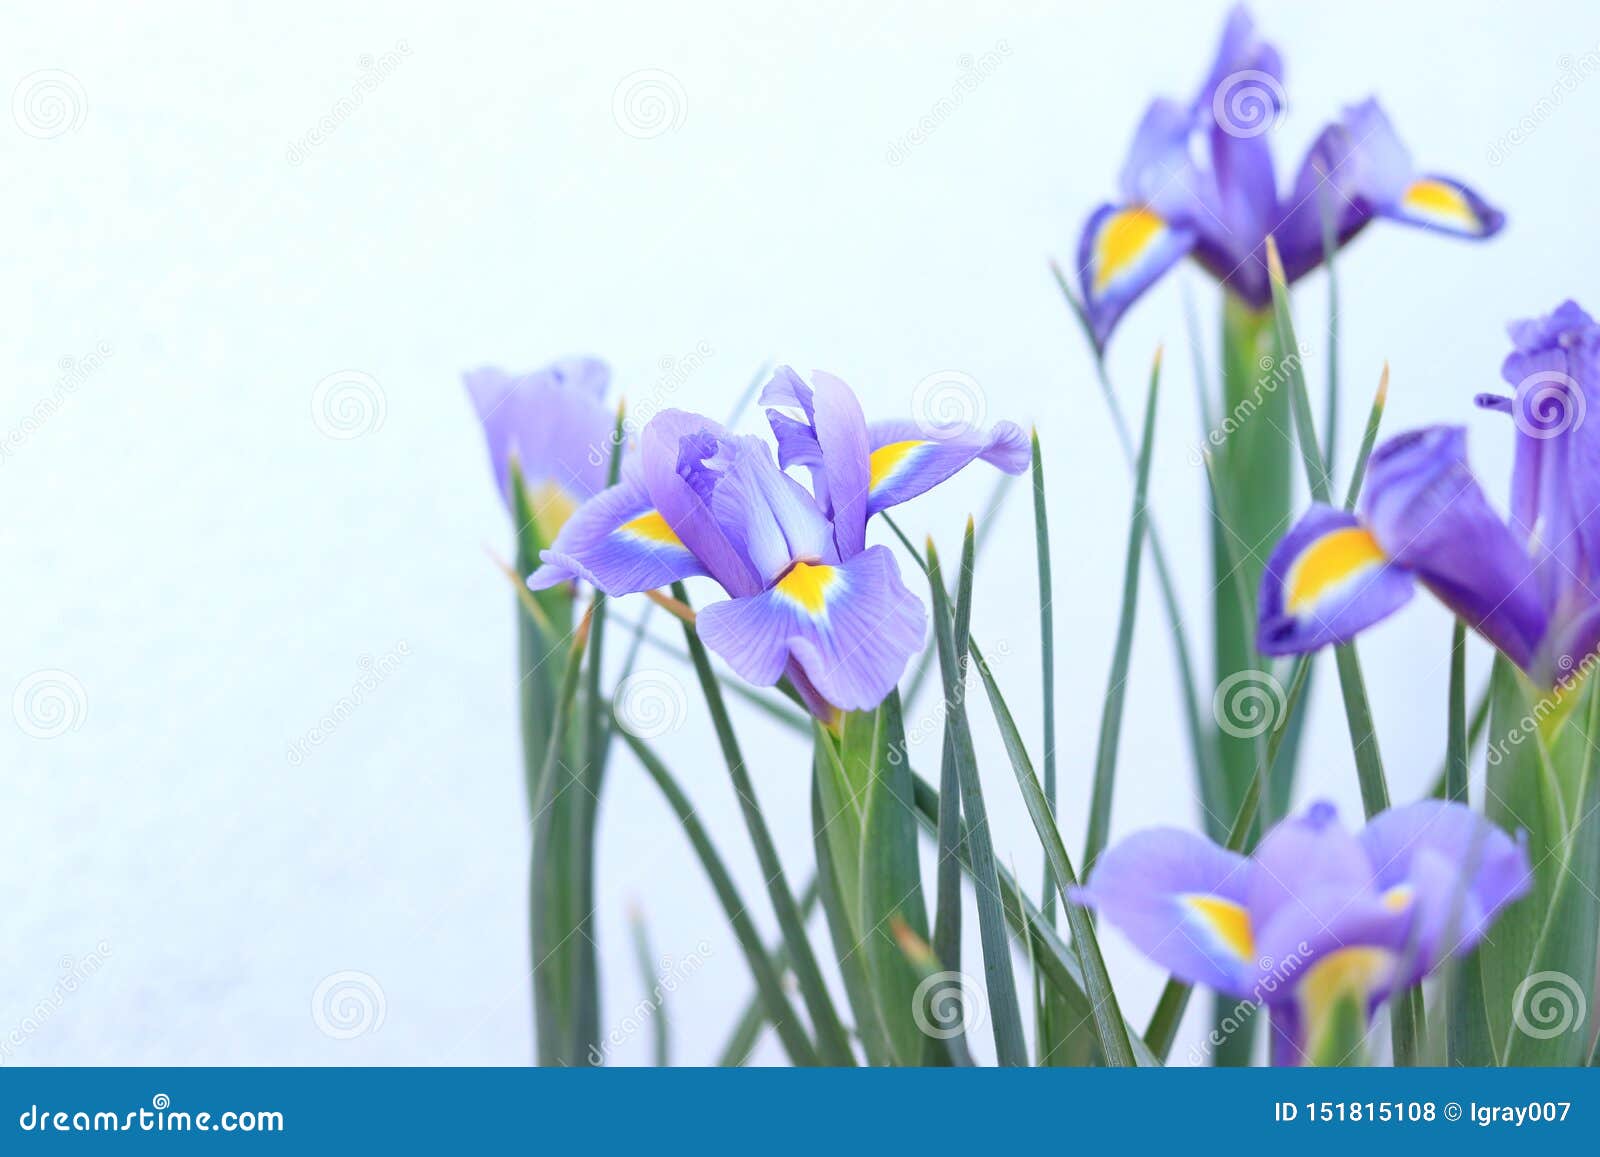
650	528
1330	566
1224	923
1126	244
890	461
1438	203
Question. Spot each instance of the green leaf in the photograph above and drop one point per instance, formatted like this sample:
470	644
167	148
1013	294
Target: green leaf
852	964
747	1030
832	1043
1548	1026
1108	1021
769	987
891	881
1056	960
1208	771
1005	1012
1105	763
1368	439
644	956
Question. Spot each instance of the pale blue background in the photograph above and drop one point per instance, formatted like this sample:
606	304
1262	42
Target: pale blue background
183	540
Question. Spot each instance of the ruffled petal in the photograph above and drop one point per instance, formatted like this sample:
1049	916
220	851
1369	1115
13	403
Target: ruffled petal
683	457
850	627
906	461
1122	251
830	438
1429	515
768	516
1326	581
1450	867
1181	900
618	542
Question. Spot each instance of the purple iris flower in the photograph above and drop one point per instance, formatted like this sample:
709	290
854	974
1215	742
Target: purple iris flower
1316	915
1528	587
1199	180
556	424
808	598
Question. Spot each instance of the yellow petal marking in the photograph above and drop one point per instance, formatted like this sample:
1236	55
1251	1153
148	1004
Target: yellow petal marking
1349	972
1442	202
806	585
1331	560
1123	239
886	459
653	528
1225	920
552	506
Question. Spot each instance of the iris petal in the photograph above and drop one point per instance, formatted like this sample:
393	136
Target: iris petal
850	627
618	542
1327	580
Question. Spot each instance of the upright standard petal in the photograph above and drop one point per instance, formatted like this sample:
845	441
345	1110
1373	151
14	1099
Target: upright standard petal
1429	515
907	460
830	438
1122	251
1450	868
1327	580
683	457
768	516
1181	900
619	543
851	628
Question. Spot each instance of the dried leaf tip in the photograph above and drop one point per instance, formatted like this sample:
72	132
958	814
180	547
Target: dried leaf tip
1383	387
913	947
1274	262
